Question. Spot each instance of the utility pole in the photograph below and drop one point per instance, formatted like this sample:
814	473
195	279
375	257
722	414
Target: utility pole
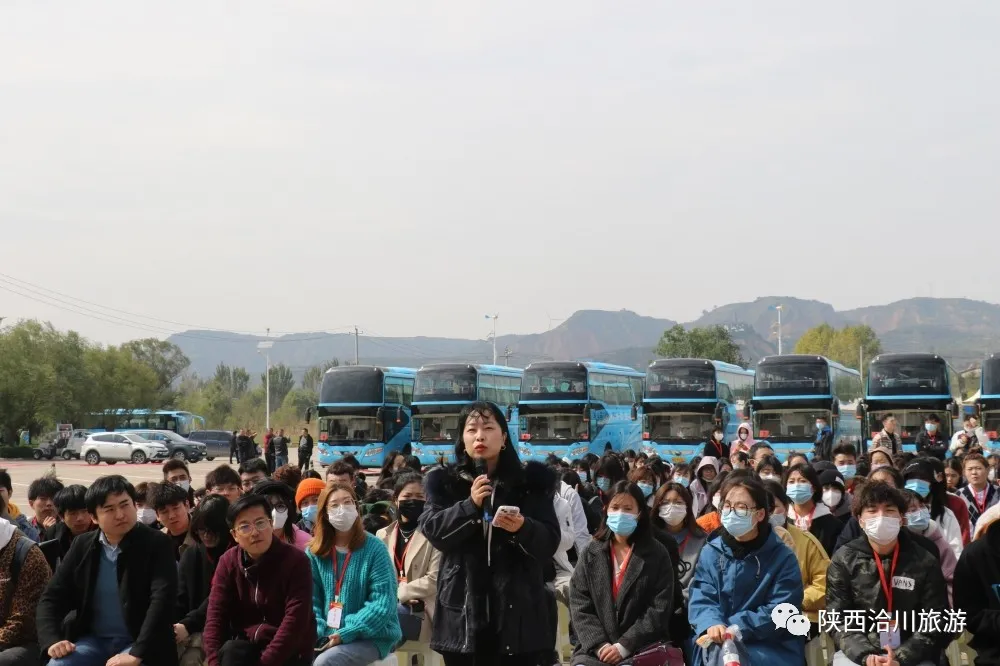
265	347
507	353
779	308
494	318
356	346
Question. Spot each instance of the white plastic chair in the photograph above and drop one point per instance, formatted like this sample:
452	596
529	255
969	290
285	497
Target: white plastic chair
388	661
428	657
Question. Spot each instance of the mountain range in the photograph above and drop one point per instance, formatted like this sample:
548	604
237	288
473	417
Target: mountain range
962	330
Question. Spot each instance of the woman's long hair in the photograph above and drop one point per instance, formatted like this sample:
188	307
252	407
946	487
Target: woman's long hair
642	530
690	524
922	469
387	471
508	463
272	487
325	535
210	516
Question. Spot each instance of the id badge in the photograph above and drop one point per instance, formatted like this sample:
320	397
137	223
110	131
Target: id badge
335	615
402	578
889	639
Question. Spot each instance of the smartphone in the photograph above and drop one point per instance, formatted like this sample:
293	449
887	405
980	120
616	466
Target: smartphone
510	510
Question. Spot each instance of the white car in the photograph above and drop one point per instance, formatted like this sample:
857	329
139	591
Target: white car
112	447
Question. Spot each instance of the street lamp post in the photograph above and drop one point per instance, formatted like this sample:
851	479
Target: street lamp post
494	318
779	308
264	347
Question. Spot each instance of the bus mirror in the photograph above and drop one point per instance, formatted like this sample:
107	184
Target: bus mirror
586	413
635	412
859	412
954	410
309	413
380	414
835	408
399	415
510	412
746	411
719	410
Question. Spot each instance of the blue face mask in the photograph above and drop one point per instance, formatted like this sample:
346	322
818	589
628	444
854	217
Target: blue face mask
918	486
604	483
621	523
683	480
930	427
799	493
736	525
309	514
848	471
646	488
919	520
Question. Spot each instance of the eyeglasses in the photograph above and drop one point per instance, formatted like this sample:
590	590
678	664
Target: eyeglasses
741	509
258	526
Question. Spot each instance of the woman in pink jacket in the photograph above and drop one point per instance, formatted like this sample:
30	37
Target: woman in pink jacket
744	439
918	519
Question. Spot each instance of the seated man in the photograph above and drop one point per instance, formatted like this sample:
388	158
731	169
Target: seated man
71	504
41	492
223	480
177	472
116	588
10	512
884	573
26	573
260	607
252	472
170	502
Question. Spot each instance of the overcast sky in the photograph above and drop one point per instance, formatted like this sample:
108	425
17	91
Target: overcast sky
409	167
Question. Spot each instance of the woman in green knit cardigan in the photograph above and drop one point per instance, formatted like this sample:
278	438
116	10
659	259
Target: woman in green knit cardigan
354	585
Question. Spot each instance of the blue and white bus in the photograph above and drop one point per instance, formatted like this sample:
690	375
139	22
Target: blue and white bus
910	387
443	390
790	392
685	399
183	423
989	399
573	408
363	411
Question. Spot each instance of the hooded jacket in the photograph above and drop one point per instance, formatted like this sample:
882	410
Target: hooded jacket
744	445
976	592
491	579
744	591
853	584
698	488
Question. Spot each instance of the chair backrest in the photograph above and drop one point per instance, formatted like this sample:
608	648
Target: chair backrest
50	549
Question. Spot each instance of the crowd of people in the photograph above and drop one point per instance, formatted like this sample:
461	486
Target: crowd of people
891	554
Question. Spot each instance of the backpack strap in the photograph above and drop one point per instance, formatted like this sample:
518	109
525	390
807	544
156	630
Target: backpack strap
21	549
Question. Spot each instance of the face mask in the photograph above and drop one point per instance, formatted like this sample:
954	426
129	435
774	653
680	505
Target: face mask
604	483
883	530
279	517
646	488
147	516
684	481
411	509
832	498
848	471
820	425
743	435
343	517
799	493
919	486
776	519
877	466
716	501
770	477
930	427
718	436
622	523
309	514
673	514
736	525
919	520
186	485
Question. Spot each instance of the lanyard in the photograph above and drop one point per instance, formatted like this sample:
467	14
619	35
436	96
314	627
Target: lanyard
616	578
340	578
887	586
401	562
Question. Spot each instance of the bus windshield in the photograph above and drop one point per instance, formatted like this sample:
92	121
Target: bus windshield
788	425
991	376
569	383
436	427
555	427
445	385
689	427
908	377
792	378
689	381
350	429
351	386
909	423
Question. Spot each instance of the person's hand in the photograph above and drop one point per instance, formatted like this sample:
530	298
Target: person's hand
717	634
609	654
333	642
180	633
61	649
873	660
480	490
49	522
510	522
124	660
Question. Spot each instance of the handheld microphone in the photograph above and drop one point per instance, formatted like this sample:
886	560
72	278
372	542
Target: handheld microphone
481	470
480	467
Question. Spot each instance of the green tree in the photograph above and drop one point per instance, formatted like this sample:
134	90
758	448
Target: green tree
713	342
165	359
845	346
282	382
235	381
120	381
313	378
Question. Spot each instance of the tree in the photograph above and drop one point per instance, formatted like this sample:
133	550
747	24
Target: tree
235	381
165	359
845	346
713	342
282	382
313	378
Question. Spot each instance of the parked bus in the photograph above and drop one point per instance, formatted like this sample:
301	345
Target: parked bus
790	392
989	399
442	390
911	387
183	423
363	411
685	398
573	408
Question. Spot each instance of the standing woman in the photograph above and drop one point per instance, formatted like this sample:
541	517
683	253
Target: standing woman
414	559
394	461
489	608
354	586
622	592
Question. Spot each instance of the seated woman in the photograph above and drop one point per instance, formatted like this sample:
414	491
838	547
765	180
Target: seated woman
283	512
197	567
354	585
647	481
919	521
807	511
770	469
920	477
671	512
416	560
743	574
621	596
709	520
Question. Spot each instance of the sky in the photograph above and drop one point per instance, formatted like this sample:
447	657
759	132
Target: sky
411	167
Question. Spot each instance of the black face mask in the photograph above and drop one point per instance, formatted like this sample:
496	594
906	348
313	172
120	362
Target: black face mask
410	510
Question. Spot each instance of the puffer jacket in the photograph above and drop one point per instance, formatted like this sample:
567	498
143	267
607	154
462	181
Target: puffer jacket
490	579
853	584
813	563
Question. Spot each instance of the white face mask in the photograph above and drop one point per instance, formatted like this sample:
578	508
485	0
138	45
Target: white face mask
832	498
716	500
673	514
185	484
883	530
343	517
279	517
770	477
718	436
147	516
